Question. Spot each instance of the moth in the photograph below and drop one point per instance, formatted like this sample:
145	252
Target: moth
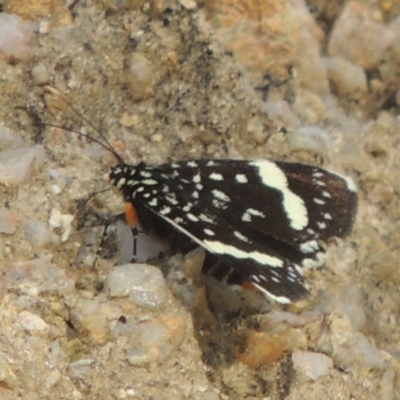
264	220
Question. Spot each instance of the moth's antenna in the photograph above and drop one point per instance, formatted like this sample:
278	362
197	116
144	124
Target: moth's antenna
107	144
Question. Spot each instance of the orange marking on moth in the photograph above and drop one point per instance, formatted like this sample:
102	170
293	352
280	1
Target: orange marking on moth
131	215
248	286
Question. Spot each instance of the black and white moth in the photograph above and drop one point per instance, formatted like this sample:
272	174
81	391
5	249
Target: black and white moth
262	219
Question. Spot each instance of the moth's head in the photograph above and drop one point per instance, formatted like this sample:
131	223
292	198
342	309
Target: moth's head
120	174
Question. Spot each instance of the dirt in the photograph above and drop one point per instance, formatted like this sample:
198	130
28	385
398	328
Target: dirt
190	100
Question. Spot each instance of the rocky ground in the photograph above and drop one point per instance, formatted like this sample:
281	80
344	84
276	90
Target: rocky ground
168	80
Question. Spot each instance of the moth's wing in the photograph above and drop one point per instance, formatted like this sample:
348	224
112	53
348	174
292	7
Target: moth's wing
261	218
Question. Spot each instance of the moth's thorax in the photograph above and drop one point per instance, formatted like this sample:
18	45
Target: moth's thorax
130	178
120	174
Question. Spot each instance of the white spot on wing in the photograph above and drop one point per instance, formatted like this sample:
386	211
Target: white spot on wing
205	218
309	247
191	164
121	183
197	178
149	182
246	217
326	194
319	201
153	202
222	248
255	212
192	217
165	210
208	232
241	178
220	195
321	225
145	174
271	175
188	207
216	177
171	198
240	236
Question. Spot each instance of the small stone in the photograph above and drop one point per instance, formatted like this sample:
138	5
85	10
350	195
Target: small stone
281	113
276	317
157	138
378	187
312	365
52	379
312	74
371	356
95	151
129	120
36	233
144	284
45	26
140	77
17	165
88	318
311	138
63	221
349	300
347	80
40	75
155	340
7	377
9	139
356	37
35	9
188	4
376	147
8	221
387	385
33	323
257	348
38	276
337	338
82	363
310	108
15	34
